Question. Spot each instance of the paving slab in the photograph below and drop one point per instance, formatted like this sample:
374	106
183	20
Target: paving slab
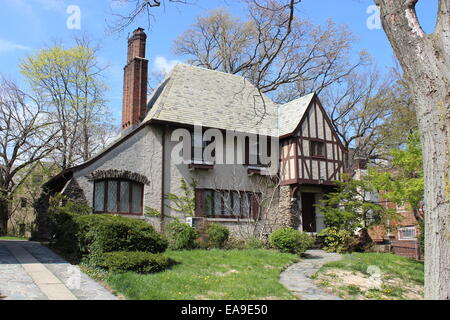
29	270
297	277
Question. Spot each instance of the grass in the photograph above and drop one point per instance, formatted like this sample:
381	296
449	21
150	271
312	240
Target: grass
399	278
390	265
12	238
210	274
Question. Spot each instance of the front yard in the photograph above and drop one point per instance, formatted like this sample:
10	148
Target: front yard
380	276
209	274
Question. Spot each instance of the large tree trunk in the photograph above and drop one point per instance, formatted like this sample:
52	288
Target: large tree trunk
425	59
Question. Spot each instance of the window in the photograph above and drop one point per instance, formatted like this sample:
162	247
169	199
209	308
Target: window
229	204
198	146
118	196
254	151
317	149
23	202
406	233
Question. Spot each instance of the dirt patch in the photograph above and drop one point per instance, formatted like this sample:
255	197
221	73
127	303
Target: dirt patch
223	274
354	285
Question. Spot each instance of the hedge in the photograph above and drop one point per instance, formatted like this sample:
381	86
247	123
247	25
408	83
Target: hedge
82	235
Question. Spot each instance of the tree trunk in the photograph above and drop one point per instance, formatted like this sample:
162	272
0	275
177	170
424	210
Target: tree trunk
425	60
4	217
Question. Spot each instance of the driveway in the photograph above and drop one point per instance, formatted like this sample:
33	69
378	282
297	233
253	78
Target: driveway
31	271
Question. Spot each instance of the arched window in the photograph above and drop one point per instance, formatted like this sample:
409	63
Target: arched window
118	196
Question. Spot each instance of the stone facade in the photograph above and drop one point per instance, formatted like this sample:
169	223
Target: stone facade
289	211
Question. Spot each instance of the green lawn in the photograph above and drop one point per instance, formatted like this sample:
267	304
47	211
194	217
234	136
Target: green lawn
354	277
389	264
210	274
12	238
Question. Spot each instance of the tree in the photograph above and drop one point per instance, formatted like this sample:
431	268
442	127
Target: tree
289	58
402	181
424	59
26	136
71	82
352	206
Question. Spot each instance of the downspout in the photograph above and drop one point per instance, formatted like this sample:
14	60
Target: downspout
163	162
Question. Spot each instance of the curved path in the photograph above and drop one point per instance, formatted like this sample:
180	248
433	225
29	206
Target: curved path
296	278
31	271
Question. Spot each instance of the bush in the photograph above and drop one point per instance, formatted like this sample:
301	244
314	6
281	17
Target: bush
290	241
217	235
338	240
81	235
134	261
254	243
181	236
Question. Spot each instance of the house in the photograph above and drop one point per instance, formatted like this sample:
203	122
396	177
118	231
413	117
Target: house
257	165
400	234
22	220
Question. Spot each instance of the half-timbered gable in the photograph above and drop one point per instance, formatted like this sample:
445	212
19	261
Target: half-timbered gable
312	153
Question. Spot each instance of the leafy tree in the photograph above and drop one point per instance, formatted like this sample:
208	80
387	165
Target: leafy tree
70	82
352	205
402	183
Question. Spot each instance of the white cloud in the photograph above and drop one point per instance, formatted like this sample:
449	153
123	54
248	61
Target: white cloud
6	45
163	65
52	4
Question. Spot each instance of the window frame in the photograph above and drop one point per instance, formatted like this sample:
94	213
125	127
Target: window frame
232	193
311	148
130	197
409	228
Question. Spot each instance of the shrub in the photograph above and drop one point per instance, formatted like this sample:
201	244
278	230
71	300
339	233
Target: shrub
80	235
254	243
336	240
290	241
217	235
134	261
181	236
234	243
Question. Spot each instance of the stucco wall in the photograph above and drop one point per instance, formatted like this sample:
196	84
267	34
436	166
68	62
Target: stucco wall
141	153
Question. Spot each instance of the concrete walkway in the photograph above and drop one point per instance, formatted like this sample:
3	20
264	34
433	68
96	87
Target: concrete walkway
297	279
31	271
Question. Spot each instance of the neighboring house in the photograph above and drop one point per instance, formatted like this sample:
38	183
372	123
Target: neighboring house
400	234
23	216
290	155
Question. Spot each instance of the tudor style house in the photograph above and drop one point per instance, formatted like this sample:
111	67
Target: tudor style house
138	170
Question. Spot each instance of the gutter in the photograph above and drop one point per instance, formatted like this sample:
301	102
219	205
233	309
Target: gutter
163	164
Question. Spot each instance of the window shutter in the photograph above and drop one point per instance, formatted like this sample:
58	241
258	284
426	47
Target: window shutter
255	206
199	203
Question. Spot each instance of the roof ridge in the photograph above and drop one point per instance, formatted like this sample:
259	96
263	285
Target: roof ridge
213	70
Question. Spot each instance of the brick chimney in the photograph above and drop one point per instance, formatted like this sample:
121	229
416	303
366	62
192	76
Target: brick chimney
134	103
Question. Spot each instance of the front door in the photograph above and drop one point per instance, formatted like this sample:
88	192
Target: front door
308	212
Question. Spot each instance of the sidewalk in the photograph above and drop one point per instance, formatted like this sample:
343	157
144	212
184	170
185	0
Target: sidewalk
30	271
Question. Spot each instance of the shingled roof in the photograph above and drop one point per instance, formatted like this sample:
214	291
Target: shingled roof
197	96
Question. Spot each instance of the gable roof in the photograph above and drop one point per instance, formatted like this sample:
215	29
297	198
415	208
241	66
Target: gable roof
291	113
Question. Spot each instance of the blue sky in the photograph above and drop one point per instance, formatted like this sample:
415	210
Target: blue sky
27	25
